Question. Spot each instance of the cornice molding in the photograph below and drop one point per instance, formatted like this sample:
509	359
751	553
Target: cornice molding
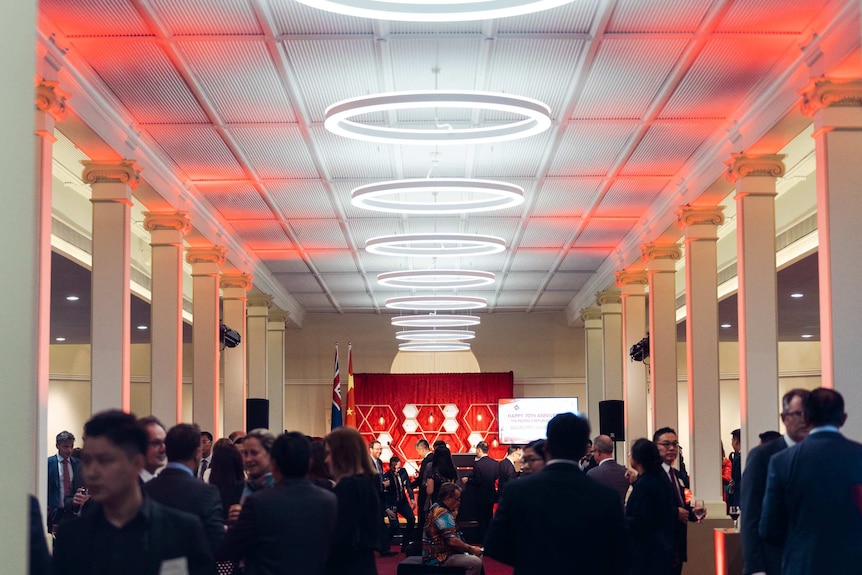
179	221
51	99
746	166
117	172
824	92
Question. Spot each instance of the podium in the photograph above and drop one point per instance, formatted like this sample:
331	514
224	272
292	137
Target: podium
728	551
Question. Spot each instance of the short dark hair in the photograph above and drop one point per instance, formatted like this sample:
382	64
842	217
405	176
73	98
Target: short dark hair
447	489
661	431
150	420
439	443
513	448
292	454
373	442
65	436
393	460
735	434
768	436
538	446
483	446
423	443
646	454
788	397
182	441
207	434
824	407
121	429
568	435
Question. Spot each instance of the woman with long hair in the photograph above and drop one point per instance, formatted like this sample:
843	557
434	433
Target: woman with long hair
651	512
359	509
317	470
226	473
442	471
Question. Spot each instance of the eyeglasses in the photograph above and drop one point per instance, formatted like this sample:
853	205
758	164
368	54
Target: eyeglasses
792	414
531	459
667	444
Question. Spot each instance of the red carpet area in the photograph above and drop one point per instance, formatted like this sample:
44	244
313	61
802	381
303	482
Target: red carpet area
389	565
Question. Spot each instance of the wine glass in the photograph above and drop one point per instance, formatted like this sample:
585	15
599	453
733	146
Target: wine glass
733	511
698	506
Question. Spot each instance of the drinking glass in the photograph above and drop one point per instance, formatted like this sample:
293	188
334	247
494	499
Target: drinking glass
733	511
698	506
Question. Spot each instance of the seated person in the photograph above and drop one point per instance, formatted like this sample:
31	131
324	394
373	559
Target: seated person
442	543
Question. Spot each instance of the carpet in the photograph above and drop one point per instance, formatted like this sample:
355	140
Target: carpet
389	565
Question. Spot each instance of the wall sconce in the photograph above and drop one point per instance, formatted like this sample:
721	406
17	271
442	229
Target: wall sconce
381	421
479	417
431	418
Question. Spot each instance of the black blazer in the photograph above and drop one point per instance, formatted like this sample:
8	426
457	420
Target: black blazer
507	472
813	505
485	473
651	512
284	530
547	523
758	554
390	496
54	483
179	490
170	534
613	475
356	530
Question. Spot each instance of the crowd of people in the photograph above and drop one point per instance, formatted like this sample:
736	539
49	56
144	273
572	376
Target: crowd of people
142	499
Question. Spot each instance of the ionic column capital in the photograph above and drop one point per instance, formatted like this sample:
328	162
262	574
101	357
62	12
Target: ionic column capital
178	221
276	316
748	165
51	99
118	172
825	92
688	216
607	297
651	252
591	313
209	255
241	280
260	300
627	278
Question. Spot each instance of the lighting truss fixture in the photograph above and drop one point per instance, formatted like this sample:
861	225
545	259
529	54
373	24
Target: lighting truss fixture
435	346
434	11
535	117
435	302
435	245
435	320
435	279
434	334
437	196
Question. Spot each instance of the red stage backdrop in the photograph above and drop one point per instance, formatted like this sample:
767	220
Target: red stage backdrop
459	408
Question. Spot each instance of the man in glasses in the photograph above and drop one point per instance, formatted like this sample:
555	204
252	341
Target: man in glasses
759	556
442	543
156	456
668	449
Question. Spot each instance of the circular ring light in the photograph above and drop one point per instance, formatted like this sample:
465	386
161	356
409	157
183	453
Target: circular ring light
435	320
433	302
439	11
437	196
435	245
435	279
536	117
434	334
437	346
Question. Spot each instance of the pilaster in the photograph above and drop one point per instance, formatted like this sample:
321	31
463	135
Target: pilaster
234	287
276	324
592	318
257	328
632	284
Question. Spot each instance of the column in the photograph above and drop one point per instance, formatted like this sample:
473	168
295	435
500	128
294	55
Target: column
631	286
166	313
275	360
592	317
50	108
234	288
19	227
206	263
836	107
701	329
661	270
257	344
111	183
754	177
610	303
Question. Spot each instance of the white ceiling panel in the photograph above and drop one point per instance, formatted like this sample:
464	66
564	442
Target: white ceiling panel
760	17
283	262
515	300
240	79
550	300
363	229
584	259
275	151
666	147
190	17
264	235
636	16
295	19
574	18
345	282
348	158
299	282
547	232
520	159
567	197
534	260
95	17
604	232
568	281
235	200
332	261
376	264
319	234
358	300
199	151
445	162
314	302
524	281
590	148
630	197
490	226
413	61
301	199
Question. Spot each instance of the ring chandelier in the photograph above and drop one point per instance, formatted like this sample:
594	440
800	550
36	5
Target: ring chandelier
434	302
435	279
435	320
434	11
536	117
435	334
437	196
436	346
435	245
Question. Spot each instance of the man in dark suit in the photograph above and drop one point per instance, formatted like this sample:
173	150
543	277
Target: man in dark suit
607	471
483	480
123	531
374	450
289	528
547	522
813	503
424	451
399	500
761	557
64	480
507	466
177	487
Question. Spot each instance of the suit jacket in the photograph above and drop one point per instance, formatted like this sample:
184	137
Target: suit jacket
733	495
682	528
390	496
651	512
485	473
612	474
286	529
54	483
179	490
170	534
758	554
547	522
507	472
356	530
813	505
424	474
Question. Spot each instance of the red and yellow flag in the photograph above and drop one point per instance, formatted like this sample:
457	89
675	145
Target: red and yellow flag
350	418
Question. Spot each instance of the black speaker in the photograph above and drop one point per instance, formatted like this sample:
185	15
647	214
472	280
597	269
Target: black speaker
611	419
256	413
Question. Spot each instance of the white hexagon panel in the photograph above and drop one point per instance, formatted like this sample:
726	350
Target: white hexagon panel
473	439
385	439
450	425
410	411
450	410
410	425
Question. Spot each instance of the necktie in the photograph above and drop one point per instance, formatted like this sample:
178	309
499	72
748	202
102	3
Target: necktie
203	468
675	483
67	481
399	490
